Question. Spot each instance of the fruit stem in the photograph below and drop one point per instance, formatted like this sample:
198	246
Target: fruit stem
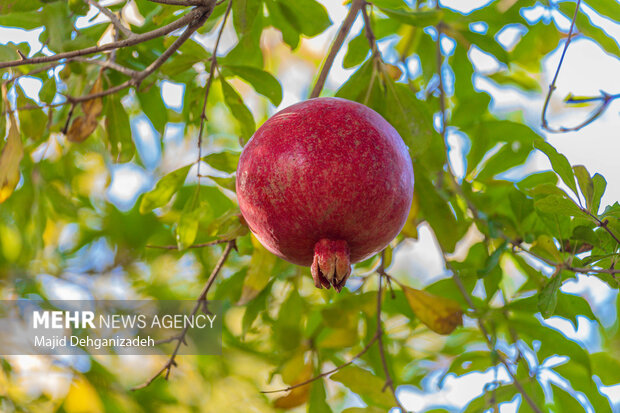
331	264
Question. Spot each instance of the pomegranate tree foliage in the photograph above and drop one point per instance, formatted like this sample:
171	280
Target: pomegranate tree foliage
526	237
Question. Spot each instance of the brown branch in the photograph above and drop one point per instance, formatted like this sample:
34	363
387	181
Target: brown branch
137	77
107	64
205	244
200	301
356	5
602	224
388	378
198	14
552	86
116	22
203	115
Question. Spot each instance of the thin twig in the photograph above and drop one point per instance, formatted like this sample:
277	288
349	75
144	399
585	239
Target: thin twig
602	224
137	77
203	115
191	18
356	5
388	378
552	86
200	301
485	333
113	19
205	244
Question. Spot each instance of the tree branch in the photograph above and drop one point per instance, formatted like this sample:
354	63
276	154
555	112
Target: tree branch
552	86
203	115
200	301
113	19
198	14
181	2
356	5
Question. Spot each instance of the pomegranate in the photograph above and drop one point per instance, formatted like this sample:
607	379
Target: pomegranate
325	183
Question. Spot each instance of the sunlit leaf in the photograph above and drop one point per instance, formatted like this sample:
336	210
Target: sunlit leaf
10	157
164	189
559	163
119	130
442	315
239	110
365	384
548	297
259	272
263	82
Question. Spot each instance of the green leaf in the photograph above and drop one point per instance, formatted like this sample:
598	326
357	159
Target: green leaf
187	228
536	179
239	110
32	122
409	116
13	6
556	204
48	90
559	163
167	186
356	88
225	161
437	212
607	367
57	31
259	273
244	13
604	39
565	402
154	108
365	384
118	130
548	296
414	18
290	34
610	9
585	183
263	82
357	51
307	16
599	189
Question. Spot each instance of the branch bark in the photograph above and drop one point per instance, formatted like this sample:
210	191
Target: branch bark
198	14
356	5
113	19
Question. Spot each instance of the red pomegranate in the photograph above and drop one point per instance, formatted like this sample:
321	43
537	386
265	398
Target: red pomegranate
325	183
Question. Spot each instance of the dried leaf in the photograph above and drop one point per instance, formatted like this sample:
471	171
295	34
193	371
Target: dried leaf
10	157
83	126
442	315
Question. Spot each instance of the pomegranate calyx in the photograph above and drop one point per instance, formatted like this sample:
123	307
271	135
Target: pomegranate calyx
331	264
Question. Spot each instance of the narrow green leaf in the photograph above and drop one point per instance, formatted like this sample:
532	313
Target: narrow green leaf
31	122
318	399
559	163
606	367
263	82
119	130
548	296
414	18
244	13
187	228
599	189
239	110
585	183
565	402
154	108
167	186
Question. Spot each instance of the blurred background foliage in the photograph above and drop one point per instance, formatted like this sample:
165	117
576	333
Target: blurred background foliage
88	188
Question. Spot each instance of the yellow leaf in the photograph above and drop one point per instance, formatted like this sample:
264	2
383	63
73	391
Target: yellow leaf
293	372
83	126
10	157
259	272
410	230
442	315
82	398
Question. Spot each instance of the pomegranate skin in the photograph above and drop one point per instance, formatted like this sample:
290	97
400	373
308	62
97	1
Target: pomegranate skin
325	169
